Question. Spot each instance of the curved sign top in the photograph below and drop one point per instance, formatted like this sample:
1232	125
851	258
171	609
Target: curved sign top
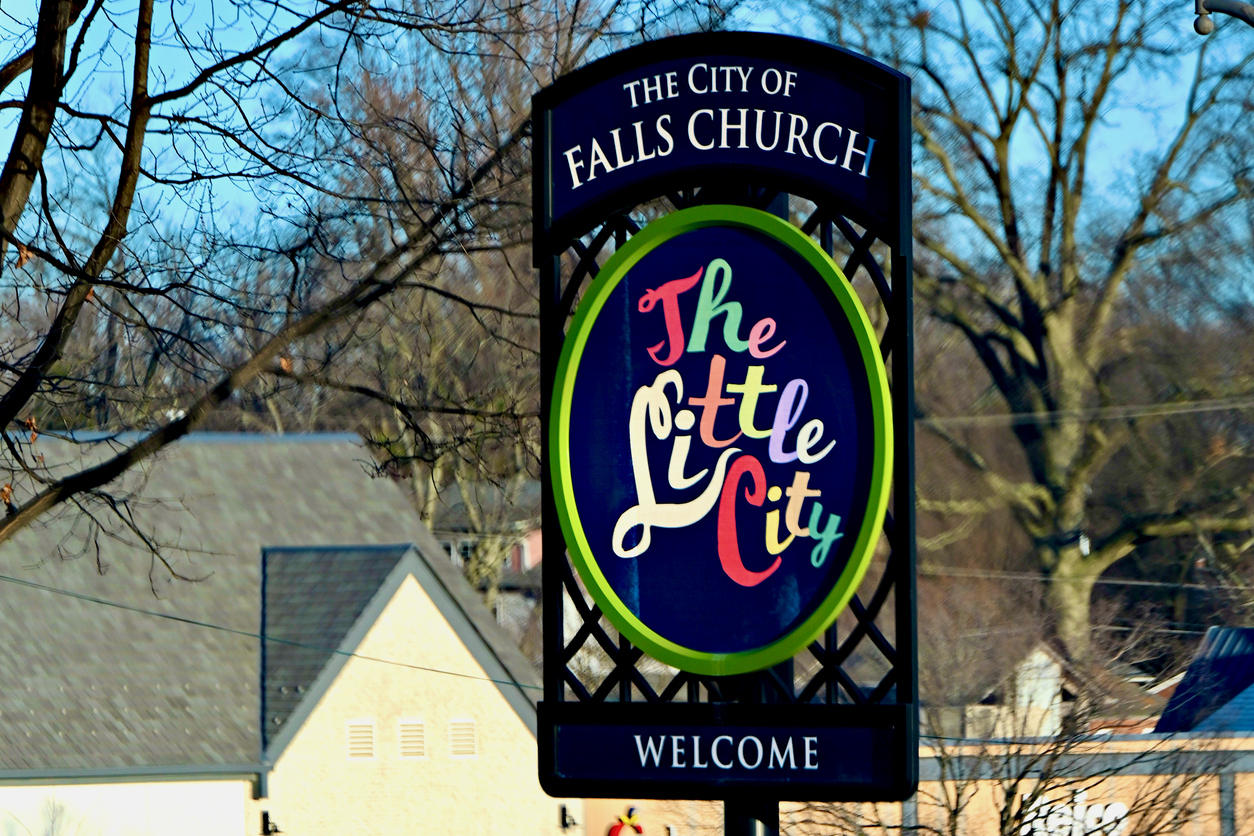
805	116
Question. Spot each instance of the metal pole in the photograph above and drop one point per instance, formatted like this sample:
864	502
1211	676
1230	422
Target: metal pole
743	817
750	818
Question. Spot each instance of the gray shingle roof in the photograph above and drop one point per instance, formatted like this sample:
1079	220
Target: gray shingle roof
93	687
312	598
499	512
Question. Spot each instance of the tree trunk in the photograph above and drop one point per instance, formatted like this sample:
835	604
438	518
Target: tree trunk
1070	597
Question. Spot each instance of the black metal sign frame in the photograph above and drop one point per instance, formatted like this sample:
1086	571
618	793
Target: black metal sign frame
611	725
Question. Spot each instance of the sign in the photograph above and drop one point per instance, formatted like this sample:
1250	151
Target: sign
699	750
730	755
1062	819
721	440
794	114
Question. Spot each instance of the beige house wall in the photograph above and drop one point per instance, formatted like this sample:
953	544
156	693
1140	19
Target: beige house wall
138	808
316	790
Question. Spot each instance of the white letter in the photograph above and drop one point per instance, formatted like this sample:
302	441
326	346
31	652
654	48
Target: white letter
1093	818
618	150
740	752
790	78
574	166
692	85
1078	810
778	81
774	141
656	754
598	158
744	78
792	134
692	134
810	750
657	88
679	457
670	143
696	753
742	127
818	152
672	85
810	433
714	752
677	750
1115	819
651	406
640	155
866	155
631	86
778	757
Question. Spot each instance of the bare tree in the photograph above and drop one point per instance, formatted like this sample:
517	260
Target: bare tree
1035	259
206	203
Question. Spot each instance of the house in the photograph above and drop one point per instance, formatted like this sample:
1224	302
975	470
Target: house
1216	692
470	514
383	698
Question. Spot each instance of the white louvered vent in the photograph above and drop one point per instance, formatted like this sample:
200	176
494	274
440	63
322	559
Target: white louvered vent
461	738
360	740
413	738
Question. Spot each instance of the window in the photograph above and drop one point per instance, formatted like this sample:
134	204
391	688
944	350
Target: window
413	737
466	548
461	738
447	546
360	740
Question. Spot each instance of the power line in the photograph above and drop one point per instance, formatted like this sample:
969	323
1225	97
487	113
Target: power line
1108	413
195	623
953	571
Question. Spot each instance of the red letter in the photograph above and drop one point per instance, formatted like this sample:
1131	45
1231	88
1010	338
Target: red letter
728	544
669	294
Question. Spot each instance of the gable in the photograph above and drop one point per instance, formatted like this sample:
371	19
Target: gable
310	600
448	639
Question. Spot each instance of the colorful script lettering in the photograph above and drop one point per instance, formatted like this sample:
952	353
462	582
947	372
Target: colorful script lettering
660	410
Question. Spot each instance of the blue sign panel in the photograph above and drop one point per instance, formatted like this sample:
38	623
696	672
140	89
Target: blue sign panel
721	440
711	751
772	115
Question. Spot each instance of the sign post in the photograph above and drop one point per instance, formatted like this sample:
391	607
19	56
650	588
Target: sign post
727	423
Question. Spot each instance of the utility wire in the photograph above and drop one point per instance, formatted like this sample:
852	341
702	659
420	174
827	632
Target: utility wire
930	571
115	604
946	571
1107	413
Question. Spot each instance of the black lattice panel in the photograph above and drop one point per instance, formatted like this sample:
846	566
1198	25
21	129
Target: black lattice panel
857	662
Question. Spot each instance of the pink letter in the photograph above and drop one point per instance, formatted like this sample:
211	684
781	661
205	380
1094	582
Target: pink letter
762	331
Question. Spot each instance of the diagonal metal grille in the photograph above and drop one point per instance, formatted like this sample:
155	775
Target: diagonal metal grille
858	660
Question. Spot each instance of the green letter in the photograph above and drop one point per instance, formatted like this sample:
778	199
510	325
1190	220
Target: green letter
711	304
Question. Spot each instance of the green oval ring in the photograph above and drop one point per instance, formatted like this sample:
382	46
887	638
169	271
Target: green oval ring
640	245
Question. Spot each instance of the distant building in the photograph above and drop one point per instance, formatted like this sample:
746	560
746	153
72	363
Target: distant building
1216	692
508	516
